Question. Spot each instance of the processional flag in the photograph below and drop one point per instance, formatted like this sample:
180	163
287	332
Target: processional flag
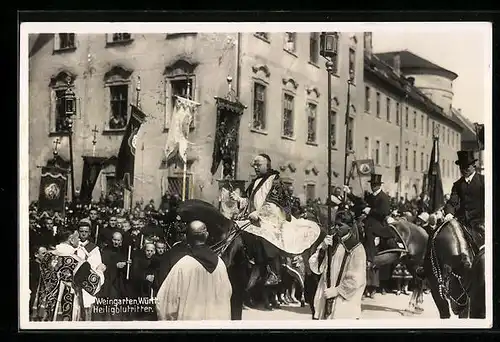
365	167
92	167
434	182
53	185
180	121
126	156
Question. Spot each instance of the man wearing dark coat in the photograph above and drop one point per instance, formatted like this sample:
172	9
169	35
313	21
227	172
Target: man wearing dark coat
143	285
379	207
115	286
466	201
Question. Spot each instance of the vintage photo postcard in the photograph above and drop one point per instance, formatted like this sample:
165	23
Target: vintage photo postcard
209	176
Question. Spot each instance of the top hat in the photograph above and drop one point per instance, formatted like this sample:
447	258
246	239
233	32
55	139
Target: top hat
375	179
465	158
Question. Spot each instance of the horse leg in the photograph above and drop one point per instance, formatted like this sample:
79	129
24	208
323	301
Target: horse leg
442	304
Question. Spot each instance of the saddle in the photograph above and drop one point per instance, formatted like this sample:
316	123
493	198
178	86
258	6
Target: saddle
393	243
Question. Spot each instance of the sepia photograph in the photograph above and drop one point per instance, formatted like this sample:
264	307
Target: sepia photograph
207	176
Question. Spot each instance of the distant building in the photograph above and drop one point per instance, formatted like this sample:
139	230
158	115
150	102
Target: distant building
469	136
280	77
407	100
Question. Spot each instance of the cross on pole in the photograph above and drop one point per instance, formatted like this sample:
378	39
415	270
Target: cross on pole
56	143
94	142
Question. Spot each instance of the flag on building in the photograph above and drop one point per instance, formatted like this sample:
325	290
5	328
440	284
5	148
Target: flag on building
180	121
434	182
126	156
364	167
92	167
53	185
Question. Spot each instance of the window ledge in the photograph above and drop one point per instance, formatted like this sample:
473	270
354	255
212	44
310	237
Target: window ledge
334	148
286	137
180	34
313	64
64	50
264	39
311	143
259	131
120	43
368	112
110	131
291	52
58	134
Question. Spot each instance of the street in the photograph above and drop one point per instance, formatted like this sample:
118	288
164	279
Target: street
388	306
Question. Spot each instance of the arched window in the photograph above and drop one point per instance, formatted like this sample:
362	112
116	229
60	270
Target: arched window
180	80
118	96
58	85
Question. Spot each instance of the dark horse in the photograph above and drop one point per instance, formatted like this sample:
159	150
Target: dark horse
412	253
455	271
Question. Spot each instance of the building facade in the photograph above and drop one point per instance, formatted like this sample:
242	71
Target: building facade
280	77
407	101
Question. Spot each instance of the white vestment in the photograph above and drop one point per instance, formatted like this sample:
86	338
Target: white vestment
347	304
190	292
94	259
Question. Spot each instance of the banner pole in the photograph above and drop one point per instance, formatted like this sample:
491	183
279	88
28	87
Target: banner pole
184	178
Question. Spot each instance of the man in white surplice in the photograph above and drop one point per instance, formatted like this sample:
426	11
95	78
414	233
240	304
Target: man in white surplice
87	250
347	275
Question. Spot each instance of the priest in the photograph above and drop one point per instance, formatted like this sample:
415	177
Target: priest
197	287
64	277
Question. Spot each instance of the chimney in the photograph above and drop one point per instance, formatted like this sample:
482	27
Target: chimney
368	46
411	80
397	64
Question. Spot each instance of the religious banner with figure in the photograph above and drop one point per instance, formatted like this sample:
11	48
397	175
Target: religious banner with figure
92	167
53	185
365	167
126	156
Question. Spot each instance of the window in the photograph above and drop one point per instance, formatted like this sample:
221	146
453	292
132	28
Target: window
377	152
314	47
427	159
310	192
388	109
119	106
174	186
259	106
288	118
387	154
443	165
422	167
290	41
407	117
263	35
448	136
119	37
60	112
422	124
378	105
311	122
396	154
367	147
352	63
64	41
414	119
112	186
433	128
414	160
427	127
334	128
350	135
398	110
367	99
406	159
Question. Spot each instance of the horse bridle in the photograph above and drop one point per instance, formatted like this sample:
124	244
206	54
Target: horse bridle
221	246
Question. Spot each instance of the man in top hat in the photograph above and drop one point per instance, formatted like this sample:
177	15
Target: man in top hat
377	209
466	201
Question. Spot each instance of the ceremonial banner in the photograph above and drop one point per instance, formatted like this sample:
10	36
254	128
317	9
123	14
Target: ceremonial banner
53	185
434	183
92	167
126	156
180	121
365	167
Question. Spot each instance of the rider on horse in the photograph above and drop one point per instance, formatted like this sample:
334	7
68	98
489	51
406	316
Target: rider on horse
466	202
376	213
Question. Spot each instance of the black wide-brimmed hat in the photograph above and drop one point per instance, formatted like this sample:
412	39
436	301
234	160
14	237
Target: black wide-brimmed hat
465	158
376	179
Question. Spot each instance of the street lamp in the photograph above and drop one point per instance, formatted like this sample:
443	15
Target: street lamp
348	136
69	111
